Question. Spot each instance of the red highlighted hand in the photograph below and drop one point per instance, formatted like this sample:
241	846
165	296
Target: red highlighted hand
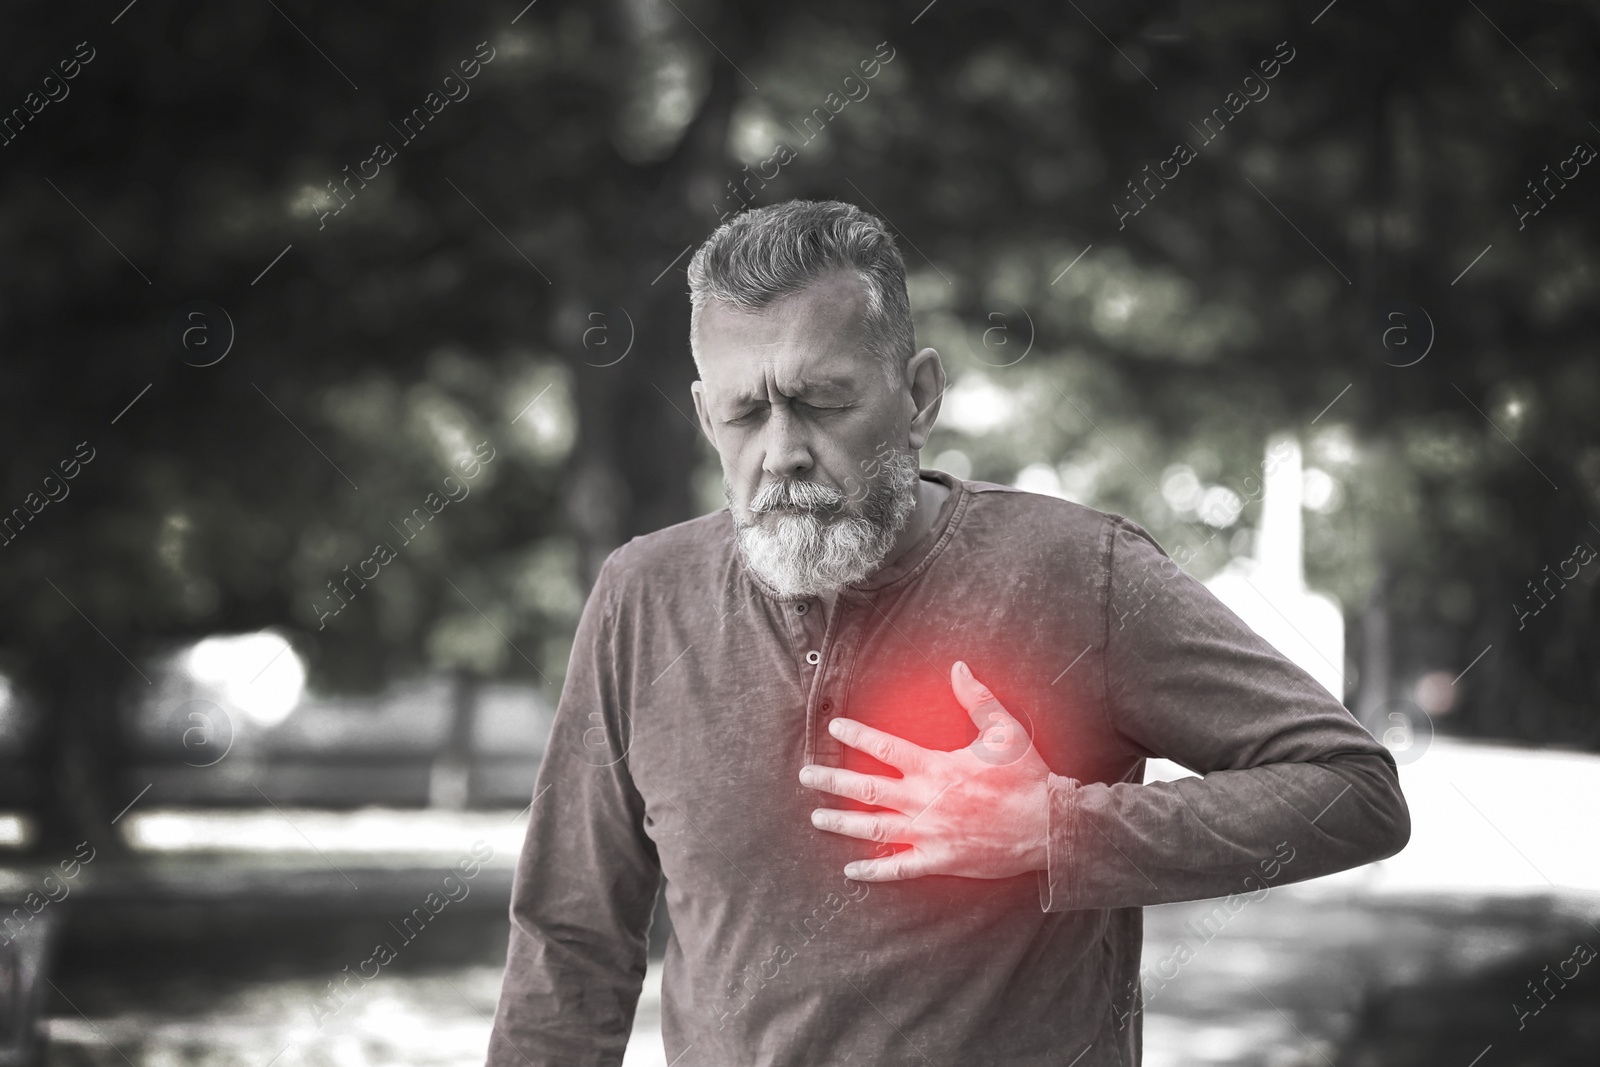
976	812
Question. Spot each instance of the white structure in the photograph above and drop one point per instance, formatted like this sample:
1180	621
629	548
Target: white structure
1269	591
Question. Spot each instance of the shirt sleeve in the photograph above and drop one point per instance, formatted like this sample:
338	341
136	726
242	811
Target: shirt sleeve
585	883
1292	788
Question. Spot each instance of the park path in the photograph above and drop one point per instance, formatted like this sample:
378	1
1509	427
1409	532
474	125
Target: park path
1501	876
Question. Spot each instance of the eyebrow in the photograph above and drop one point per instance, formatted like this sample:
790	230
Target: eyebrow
820	389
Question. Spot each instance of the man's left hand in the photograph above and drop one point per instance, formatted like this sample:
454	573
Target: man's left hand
975	812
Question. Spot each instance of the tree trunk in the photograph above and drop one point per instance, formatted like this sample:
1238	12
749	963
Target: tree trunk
450	780
637	431
1376	656
81	743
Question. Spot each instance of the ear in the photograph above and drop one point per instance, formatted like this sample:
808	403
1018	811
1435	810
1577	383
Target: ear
925	375
697	389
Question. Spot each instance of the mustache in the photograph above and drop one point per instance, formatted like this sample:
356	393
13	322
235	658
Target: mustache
801	495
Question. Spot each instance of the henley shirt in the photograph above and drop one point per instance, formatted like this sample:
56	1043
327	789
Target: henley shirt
695	694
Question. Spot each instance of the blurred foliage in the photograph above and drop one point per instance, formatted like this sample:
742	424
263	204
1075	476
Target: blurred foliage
455	299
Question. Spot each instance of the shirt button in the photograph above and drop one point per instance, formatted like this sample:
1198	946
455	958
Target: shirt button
801	608
827	705
813	657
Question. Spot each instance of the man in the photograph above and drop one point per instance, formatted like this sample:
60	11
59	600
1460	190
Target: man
883	731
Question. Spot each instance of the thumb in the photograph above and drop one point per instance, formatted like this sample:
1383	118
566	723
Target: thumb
981	704
1001	739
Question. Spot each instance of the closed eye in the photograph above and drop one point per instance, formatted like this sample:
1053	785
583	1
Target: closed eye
799	407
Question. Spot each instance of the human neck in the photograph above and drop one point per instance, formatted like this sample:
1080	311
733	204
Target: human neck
931	496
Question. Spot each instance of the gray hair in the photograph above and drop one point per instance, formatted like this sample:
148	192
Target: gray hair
762	255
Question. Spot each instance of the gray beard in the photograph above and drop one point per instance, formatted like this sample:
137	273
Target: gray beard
822	541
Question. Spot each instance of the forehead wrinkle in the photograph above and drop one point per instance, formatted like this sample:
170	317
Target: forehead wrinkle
781	340
822	387
788	381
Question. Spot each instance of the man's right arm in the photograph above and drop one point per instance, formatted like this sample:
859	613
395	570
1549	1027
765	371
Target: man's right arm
586	880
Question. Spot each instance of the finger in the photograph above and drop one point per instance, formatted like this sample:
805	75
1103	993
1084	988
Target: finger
902	865
1001	740
878	827
980	703
886	748
867	788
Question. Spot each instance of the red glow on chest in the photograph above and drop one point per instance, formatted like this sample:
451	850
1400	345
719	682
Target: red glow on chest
913	701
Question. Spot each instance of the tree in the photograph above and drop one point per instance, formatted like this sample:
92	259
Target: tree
390	314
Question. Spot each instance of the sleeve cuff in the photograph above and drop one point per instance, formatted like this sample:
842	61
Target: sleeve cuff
1056	881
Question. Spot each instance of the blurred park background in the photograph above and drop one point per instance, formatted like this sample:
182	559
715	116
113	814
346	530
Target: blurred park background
286	283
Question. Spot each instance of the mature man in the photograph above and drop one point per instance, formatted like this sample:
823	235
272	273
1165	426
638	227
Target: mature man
883	731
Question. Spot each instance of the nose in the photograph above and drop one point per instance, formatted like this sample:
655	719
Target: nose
787	453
